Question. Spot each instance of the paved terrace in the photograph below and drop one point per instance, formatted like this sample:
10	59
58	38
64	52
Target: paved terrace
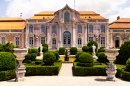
65	78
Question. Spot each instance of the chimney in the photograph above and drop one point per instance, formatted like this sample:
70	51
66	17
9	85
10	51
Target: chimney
118	17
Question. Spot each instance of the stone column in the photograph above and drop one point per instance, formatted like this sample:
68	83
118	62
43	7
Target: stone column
74	35
85	34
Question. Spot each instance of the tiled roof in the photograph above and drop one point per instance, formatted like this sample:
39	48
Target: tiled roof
123	23
12	23
83	14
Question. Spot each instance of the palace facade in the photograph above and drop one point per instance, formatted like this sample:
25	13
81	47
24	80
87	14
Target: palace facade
63	28
119	32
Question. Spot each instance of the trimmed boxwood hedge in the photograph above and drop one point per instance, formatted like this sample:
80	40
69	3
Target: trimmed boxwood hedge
6	75
61	50
44	70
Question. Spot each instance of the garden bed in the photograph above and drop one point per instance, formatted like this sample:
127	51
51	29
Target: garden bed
99	69
35	70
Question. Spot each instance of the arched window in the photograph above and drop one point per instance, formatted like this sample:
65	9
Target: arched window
30	29
90	29
43	29
79	29
54	29
66	17
102	29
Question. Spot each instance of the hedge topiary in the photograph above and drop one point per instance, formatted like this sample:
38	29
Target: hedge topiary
49	58
101	49
33	56
57	55
102	57
45	49
86	58
33	50
90	44
7	61
78	54
29	50
28	57
61	50
85	48
45	45
128	65
73	50
124	53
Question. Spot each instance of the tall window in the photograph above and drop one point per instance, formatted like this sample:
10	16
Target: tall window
31	42
42	40
30	29
17	41
54	43
90	38
102	41
54	29
79	43
102	29
79	29
66	17
43	29
90	29
3	40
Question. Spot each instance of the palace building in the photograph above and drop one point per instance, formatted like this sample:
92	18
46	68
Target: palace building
63	28
119	32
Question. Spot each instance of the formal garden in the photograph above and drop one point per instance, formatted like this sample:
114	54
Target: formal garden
83	61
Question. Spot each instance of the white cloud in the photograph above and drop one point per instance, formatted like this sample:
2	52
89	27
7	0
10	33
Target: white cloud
107	8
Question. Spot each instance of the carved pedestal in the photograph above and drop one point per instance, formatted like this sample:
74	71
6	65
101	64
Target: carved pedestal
111	68
20	68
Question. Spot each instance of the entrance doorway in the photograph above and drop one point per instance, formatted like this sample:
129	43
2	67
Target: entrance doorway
53	43
31	42
67	39
79	43
117	42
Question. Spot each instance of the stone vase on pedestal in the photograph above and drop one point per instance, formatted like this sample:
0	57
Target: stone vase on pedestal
111	68
20	68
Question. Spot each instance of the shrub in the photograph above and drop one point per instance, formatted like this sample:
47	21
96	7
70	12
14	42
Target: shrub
61	50
38	62
43	70
49	58
85	48
8	74
85	64
73	50
90	44
7	61
38	49
85	58
128	65
33	50
26	61
78	54
124	53
45	49
57	55
45	45
29	50
33	56
102	57
28	57
101	49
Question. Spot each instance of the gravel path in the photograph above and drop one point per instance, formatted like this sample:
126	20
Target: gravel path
65	78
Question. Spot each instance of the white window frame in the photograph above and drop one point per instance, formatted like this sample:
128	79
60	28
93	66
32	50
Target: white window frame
2	40
89	29
101	42
78	29
41	29
15	41
32	29
29	41
90	37
104	29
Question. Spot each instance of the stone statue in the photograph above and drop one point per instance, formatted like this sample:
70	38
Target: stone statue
94	54
67	55
41	47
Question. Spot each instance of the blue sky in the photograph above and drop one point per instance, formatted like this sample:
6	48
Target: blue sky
107	8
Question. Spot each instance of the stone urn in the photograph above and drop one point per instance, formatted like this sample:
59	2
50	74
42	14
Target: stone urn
20	68
111	68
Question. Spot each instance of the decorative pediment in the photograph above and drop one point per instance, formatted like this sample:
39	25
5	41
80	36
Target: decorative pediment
66	26
102	34
31	34
16	35
42	34
79	35
90	35
53	35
